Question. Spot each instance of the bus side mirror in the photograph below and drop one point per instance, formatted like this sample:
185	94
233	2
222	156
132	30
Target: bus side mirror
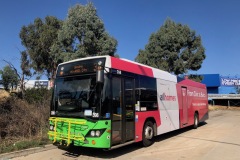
100	73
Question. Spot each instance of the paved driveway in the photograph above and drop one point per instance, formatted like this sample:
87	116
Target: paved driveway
218	138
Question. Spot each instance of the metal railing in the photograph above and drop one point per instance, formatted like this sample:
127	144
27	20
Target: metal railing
224	96
65	136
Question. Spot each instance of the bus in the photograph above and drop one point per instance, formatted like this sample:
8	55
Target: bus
107	102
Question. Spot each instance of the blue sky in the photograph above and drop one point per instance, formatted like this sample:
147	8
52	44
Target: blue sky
132	21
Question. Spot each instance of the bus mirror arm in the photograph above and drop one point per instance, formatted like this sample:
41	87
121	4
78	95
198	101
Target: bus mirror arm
100	73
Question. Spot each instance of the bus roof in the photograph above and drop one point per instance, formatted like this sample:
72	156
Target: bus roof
134	67
131	66
189	82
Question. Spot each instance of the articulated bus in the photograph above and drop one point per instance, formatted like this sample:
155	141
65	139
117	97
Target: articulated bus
107	102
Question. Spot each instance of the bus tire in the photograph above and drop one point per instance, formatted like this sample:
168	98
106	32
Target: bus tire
196	121
148	134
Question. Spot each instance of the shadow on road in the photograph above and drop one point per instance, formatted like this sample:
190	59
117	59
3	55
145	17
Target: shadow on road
76	152
176	133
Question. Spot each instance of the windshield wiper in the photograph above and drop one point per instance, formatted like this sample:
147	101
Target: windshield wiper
67	108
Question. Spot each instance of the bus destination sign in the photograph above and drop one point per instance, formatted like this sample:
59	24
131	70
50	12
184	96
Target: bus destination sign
80	67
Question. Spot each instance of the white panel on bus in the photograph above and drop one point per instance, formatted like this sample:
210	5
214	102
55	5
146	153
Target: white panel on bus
108	62
168	104
164	75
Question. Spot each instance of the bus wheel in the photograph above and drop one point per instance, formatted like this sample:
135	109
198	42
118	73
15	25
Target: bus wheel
196	121
148	133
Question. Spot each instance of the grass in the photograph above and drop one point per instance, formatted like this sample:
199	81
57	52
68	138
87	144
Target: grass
24	144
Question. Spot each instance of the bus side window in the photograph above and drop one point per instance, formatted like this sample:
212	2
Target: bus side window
146	93
148	99
116	94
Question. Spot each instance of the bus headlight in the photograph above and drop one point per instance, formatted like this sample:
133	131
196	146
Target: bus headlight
92	133
51	128
95	133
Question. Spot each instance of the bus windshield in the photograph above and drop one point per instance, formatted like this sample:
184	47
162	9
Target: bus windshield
77	96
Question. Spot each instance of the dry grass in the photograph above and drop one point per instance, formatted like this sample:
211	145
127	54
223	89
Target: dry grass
22	122
3	95
218	107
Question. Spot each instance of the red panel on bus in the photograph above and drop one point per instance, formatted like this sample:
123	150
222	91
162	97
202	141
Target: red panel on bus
192	97
141	119
192	83
130	67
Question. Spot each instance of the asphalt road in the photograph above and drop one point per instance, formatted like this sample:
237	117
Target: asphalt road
218	138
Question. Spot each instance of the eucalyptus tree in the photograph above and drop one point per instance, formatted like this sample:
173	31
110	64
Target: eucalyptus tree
38	39
83	34
174	48
9	78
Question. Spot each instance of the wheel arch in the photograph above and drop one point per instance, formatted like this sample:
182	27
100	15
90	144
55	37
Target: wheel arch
152	119
195	120
196	112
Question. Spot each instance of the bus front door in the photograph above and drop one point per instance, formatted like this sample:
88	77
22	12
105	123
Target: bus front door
123	124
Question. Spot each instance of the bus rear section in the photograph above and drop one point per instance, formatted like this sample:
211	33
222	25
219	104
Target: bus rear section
181	103
193	103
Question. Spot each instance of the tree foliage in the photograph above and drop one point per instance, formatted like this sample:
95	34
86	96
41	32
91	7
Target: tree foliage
9	78
38	38
174	48
25	74
25	64
194	77
83	34
50	41
26	71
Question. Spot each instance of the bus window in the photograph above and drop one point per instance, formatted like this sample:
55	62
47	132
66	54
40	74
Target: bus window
147	98
146	93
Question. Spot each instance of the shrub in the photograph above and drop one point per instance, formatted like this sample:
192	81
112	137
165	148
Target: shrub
24	119
36	95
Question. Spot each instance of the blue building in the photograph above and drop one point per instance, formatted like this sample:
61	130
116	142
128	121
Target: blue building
218	84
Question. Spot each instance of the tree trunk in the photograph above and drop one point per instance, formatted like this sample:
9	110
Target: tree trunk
22	88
